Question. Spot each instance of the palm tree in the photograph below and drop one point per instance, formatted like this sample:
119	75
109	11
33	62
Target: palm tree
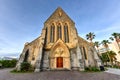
105	44
112	55
111	38
119	40
96	43
116	37
104	57
90	36
119	35
118	51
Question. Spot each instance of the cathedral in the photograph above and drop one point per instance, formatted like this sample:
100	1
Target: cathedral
59	47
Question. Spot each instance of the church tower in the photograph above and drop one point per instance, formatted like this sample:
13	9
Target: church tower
59	47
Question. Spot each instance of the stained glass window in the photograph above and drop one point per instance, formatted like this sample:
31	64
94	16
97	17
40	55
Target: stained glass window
66	33
52	33
59	33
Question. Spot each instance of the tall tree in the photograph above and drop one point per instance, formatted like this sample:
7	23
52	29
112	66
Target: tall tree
97	44
111	38
105	44
119	52
112	55
90	36
116	37
104	57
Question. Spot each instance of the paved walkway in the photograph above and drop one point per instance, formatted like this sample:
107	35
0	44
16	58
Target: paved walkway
57	75
113	71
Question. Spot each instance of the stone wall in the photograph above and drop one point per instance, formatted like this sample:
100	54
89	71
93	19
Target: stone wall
45	65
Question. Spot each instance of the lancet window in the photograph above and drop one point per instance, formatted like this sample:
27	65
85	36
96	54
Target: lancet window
84	51
59	33
52	31
66	33
26	56
46	35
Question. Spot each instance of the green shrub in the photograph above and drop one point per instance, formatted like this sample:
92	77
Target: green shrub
87	69
15	71
8	63
25	66
92	69
95	69
116	66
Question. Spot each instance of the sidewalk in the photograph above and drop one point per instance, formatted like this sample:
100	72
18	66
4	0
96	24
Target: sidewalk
113	71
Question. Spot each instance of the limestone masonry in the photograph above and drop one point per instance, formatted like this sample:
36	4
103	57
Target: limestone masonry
59	47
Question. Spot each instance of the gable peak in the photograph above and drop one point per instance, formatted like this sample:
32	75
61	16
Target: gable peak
58	13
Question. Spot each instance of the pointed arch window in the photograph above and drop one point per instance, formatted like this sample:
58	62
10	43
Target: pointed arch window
59	33
26	56
66	33
52	31
84	51
46	35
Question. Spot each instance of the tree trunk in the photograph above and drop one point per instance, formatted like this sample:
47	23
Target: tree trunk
108	55
118	44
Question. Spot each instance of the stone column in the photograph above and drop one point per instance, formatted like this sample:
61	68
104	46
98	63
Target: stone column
18	66
38	62
74	60
98	61
21	59
45	65
41	44
91	59
80	61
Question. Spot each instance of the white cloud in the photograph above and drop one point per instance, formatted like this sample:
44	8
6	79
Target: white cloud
15	54
109	29
104	33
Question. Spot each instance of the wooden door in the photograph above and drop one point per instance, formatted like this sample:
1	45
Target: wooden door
59	62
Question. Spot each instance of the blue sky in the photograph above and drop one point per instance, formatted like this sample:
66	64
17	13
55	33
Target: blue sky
22	20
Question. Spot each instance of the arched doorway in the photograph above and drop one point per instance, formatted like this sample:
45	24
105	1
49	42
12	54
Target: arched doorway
59	62
60	57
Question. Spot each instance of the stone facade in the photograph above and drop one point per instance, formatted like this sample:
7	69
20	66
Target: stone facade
59	47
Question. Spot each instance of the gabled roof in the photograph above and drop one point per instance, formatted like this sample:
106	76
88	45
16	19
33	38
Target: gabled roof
59	12
81	40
